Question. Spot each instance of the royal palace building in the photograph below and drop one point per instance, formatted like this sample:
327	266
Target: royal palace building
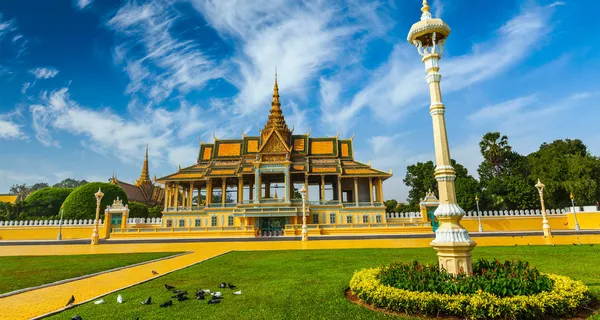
251	185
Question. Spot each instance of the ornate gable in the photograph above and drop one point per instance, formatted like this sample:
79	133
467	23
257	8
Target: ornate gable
274	144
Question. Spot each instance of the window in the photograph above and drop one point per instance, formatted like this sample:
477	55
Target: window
213	221
197	224
230	220
169	223
378	218
332	218
181	223
365	219
349	219
315	218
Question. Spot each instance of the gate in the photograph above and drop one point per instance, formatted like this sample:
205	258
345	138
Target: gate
435	223
271	227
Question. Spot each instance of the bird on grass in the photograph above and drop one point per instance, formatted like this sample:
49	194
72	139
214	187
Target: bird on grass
238	292
217	295
516	244
231	286
179	295
154	272
206	291
168	287
213	301
553	245
182	298
70	302
591	244
101	301
199	294
120	299
76	317
223	285
147	301
574	244
166	304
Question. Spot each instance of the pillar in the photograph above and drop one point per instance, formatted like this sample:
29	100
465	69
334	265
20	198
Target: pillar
251	190
381	199
371	190
306	186
176	195
356	191
191	196
240	190
287	184
267	189
257	185
339	188
322	189
209	192
166	199
224	190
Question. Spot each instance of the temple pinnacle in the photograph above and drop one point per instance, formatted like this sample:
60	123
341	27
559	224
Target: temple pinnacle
425	9
145	175
275	102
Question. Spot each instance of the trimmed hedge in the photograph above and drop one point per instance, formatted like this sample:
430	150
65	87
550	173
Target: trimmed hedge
81	203
46	202
138	210
565	298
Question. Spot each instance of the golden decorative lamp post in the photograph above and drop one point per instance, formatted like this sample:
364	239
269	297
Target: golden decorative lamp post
95	236
303	192
572	196
478	214
545	225
452	241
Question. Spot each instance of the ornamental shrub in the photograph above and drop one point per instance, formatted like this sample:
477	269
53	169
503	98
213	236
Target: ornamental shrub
81	203
138	210
45	203
501	279
563	300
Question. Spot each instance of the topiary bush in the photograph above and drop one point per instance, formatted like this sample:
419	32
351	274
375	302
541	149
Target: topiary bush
138	210
81	203
503	279
45	203
155	212
565	297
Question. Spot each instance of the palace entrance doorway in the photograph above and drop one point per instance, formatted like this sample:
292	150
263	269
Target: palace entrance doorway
271	227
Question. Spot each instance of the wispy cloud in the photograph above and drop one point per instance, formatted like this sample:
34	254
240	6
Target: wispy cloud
6	26
507	107
167	62
9	128
83	3
397	87
557	3
44	73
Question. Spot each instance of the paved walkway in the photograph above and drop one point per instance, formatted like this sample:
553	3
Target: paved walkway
42	301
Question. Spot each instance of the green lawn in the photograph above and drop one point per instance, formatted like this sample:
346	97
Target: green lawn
305	284
30	271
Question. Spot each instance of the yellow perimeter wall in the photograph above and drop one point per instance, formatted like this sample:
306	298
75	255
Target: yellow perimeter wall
47	232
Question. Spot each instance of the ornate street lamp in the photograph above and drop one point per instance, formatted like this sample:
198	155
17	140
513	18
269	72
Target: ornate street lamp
545	225
95	236
478	214
303	192
452	241
572	196
62	210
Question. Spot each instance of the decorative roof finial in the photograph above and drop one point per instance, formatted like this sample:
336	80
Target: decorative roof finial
179	167
275	104
425	9
145	175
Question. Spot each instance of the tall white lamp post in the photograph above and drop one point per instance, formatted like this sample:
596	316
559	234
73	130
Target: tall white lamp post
62	210
95	236
304	230
545	225
572	196
478	214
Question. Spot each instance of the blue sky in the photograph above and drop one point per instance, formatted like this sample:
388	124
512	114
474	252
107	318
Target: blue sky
85	85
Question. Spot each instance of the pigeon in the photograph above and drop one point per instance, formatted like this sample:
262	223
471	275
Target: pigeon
147	301
76	317
223	285
231	286
154	272
591	244
516	244
200	295
179	295
553	245
101	301
217	295
120	299
168	287
206	291
166	304
182	298
238	292
574	244
213	301
70	302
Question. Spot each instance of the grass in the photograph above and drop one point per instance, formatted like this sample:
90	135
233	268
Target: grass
306	284
29	271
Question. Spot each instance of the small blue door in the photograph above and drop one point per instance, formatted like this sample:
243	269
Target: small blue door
435	223
115	221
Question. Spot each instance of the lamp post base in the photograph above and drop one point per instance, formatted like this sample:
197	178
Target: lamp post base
95	238
480	228
59	237
304	234
455	257
547	232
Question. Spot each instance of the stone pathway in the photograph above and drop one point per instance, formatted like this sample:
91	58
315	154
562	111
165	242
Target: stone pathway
47	300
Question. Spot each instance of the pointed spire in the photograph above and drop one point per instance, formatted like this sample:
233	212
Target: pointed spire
145	175
275	104
425	9
276	120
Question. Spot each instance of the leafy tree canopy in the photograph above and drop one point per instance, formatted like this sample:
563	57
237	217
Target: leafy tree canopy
69	183
81	203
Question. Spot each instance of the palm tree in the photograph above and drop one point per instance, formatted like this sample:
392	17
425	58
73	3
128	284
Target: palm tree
494	149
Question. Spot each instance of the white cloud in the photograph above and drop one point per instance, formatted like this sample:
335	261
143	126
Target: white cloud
438	8
183	155
397	87
157	61
504	108
10	130
557	3
6	26
83	3
26	86
44	73
297	119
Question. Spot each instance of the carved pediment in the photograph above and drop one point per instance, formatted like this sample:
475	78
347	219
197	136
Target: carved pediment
274	144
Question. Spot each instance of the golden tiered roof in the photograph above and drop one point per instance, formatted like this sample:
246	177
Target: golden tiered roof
276	119
145	175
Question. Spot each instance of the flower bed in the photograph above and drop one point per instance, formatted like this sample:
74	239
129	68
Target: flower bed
563	299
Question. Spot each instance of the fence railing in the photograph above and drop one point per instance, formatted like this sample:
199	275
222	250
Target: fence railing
144	221
41	223
403	215
515	213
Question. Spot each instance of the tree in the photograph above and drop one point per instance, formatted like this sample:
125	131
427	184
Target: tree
138	210
420	179
81	203
390	205
69	183
45	203
24	190
155	212
494	149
